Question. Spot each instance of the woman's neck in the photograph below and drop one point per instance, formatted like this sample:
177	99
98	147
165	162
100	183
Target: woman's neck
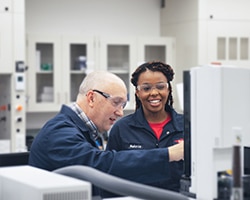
156	117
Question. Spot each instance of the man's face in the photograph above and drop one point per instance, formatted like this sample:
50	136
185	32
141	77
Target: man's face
108	106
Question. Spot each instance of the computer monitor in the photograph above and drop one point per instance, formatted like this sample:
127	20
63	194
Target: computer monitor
246	161
27	182
187	123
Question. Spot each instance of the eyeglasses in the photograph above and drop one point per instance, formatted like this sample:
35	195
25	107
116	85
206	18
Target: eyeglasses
115	101
149	87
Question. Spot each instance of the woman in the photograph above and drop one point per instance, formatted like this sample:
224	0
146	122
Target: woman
155	123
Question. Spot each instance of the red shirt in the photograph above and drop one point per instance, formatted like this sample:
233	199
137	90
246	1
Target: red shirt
158	127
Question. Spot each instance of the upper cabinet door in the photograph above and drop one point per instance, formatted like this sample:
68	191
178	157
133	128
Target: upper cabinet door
157	49
118	55
45	69
78	55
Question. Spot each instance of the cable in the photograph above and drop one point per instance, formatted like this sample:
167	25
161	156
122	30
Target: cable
118	185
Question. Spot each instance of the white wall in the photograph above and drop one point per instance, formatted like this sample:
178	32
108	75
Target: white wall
229	10
179	20
94	17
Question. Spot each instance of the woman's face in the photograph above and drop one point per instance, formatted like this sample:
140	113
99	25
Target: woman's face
153	91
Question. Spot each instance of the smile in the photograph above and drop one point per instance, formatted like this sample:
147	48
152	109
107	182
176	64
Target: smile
155	101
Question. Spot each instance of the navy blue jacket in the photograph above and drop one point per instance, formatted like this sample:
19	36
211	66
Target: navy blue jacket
133	132
65	140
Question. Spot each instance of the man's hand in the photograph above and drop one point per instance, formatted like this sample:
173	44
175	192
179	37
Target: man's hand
176	152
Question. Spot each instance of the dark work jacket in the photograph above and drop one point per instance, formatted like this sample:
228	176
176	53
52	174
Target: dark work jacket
133	132
65	140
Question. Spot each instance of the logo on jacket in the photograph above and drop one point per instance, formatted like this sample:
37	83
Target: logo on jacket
135	146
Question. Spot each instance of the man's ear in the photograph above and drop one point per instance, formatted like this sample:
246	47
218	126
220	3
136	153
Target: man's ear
90	97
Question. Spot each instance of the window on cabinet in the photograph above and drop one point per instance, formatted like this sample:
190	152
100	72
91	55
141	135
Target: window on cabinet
44	75
118	57
44	56
78	54
244	48
221	48
155	52
233	48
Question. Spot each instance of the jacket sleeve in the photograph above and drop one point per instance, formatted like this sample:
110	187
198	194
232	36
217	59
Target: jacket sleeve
58	147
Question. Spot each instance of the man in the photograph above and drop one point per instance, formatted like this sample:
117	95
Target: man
70	137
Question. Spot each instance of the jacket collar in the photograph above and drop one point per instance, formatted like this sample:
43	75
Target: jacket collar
140	120
66	110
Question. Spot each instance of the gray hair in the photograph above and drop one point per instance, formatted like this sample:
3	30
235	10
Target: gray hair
98	80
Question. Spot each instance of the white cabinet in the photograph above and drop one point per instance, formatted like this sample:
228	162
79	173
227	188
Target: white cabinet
56	70
6	15
122	55
11	34
44	72
53	77
12	76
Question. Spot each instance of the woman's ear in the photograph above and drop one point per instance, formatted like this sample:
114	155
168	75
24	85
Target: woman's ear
137	94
